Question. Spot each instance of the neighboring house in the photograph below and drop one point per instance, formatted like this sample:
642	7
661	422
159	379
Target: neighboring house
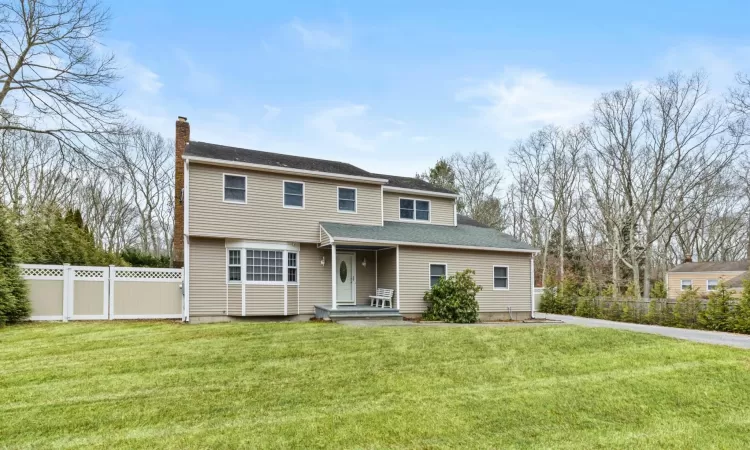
267	234
704	276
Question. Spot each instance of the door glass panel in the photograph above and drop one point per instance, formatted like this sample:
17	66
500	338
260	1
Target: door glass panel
342	271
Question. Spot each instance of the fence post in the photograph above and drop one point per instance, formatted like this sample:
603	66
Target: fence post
111	291
67	291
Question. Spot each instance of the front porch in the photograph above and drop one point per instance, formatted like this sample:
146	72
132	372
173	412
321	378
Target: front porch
349	312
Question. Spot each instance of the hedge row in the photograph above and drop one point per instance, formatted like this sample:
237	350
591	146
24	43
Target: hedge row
722	311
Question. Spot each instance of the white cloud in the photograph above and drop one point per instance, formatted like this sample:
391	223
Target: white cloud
135	76
329	124
317	38
521	101
272	112
419	139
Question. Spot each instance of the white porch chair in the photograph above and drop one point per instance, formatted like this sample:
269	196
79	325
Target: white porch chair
381	297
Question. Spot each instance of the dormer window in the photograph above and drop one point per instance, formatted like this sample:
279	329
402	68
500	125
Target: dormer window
412	209
294	194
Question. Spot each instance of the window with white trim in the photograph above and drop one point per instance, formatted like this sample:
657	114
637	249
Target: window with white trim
291	267
265	265
234	188
712	285
347	199
500	277
234	265
437	271
411	209
686	284
294	194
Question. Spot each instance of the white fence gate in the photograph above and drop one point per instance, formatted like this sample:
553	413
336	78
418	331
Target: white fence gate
103	293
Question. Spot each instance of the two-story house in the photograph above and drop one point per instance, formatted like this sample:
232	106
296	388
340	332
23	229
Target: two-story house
266	234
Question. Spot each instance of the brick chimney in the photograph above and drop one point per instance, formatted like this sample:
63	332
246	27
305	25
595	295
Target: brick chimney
687	258
181	139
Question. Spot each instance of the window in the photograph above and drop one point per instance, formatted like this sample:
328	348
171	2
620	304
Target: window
437	271
347	199
686	284
234	188
294	194
234	267
411	209
291	263
711	285
500	276
265	265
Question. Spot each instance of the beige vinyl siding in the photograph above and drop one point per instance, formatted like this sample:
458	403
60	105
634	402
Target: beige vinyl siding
208	287
365	277
292	300
264	217
234	298
415	279
325	239
264	300
314	278
441	209
699	280
387	271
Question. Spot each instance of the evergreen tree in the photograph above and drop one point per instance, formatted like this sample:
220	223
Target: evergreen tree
587	306
687	308
14	302
741	323
717	314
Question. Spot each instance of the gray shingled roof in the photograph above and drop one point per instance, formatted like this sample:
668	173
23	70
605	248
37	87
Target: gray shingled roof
461	235
236	154
214	151
466	220
412	183
713	266
738	281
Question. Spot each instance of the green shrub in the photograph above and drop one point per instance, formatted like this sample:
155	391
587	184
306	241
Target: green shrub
454	299
686	309
717	313
567	297
587	305
658	290
139	258
658	311
14	302
548	303
741	323
630	307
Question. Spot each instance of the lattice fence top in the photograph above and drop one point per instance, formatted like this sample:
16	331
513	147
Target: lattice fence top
146	274
41	272
89	273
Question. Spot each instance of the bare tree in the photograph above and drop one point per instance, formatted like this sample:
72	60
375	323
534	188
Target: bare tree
477	179
54	79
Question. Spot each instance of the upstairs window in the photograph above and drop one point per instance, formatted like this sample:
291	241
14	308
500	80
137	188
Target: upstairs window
411	209
291	267
347	199
437	271
712	285
686	284
294	194
234	188
500	276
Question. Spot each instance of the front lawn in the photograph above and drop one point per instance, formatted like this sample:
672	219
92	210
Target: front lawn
307	385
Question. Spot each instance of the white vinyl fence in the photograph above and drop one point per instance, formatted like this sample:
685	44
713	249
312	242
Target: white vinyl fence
103	293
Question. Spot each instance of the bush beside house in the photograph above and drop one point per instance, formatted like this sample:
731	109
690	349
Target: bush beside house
453	299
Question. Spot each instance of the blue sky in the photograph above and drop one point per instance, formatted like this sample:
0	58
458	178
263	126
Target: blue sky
392	87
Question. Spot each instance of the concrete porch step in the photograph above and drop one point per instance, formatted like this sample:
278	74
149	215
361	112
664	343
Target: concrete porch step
356	312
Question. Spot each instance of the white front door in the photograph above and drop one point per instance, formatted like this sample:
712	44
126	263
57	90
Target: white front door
345	279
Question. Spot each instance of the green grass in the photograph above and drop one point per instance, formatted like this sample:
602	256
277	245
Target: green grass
307	385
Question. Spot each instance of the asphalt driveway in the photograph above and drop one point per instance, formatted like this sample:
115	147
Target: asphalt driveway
706	337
